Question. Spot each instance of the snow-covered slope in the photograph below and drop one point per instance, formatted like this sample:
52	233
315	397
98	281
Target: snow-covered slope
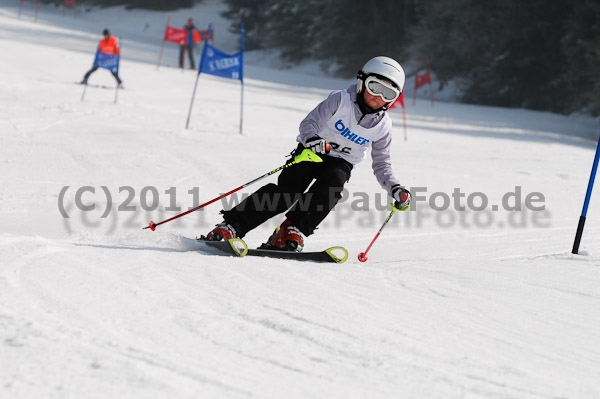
451	304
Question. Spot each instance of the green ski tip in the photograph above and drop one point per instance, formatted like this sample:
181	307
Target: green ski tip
335	257
238	246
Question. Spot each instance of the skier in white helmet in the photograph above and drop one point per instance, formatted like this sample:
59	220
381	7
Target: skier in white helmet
340	130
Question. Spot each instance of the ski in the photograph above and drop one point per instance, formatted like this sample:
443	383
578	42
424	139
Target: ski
97	86
237	247
233	247
327	255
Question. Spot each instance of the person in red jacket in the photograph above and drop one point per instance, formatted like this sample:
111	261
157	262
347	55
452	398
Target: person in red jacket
193	37
108	45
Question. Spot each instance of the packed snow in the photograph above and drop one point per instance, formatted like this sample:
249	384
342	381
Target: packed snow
450	304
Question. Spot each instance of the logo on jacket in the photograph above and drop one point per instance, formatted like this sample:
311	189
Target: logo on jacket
345	132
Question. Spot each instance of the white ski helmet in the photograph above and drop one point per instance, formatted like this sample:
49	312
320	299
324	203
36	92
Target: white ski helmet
384	67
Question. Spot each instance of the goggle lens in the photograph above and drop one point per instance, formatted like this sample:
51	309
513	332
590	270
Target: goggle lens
382	89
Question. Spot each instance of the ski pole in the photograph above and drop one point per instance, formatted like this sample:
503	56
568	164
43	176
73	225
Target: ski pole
363	255
306	155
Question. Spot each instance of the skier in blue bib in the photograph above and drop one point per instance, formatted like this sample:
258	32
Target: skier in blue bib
340	130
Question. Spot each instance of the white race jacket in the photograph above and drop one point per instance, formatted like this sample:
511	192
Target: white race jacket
336	120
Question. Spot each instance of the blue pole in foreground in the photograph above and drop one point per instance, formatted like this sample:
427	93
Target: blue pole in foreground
586	203
242	77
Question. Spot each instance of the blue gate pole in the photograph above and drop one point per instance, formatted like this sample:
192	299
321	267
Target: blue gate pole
586	203
242	77
200	66
118	63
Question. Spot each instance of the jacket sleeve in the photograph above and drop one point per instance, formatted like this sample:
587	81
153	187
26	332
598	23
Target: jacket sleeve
382	161
311	125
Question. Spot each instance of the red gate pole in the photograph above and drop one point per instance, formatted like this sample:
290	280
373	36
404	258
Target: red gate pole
162	47
404	117
430	83
416	74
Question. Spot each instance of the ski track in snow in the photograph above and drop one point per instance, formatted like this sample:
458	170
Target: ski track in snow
215	312
95	307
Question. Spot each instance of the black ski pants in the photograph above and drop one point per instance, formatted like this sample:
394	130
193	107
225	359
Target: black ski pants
306	208
190	52
94	69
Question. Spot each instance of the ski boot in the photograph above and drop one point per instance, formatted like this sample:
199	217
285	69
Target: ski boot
285	238
222	232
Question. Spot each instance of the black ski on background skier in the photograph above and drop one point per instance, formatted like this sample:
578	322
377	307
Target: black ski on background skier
340	130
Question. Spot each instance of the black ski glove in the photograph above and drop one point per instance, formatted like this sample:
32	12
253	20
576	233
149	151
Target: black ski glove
318	145
401	197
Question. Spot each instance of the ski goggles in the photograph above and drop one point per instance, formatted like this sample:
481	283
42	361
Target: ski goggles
378	87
